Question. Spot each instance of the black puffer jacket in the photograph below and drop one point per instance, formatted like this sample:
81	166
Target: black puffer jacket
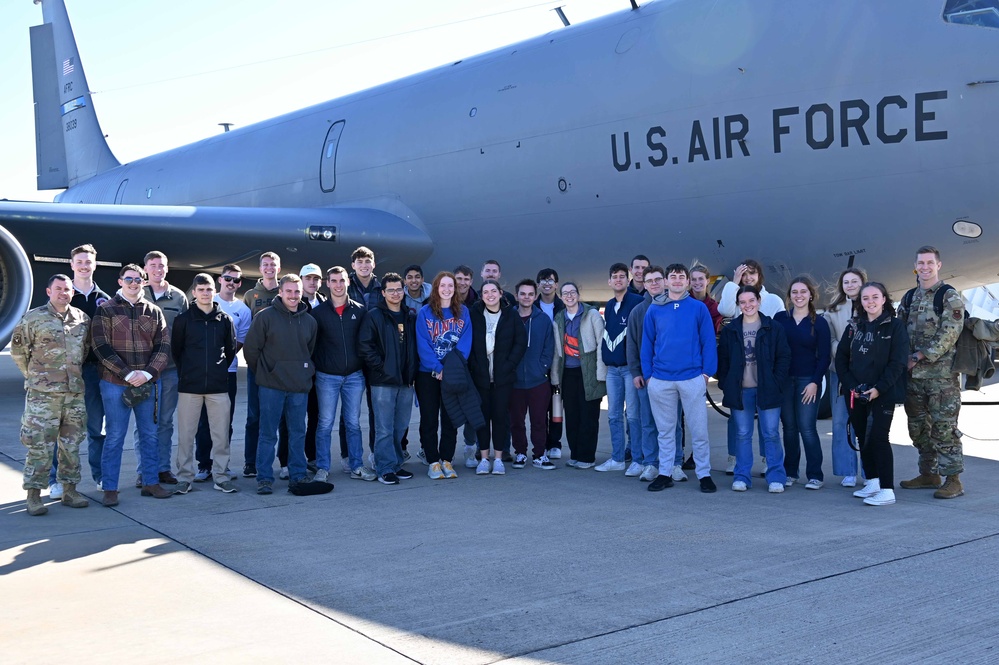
461	403
874	353
336	338
511	342
203	346
388	362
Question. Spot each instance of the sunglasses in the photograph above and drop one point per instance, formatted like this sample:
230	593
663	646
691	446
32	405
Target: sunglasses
229	278
132	280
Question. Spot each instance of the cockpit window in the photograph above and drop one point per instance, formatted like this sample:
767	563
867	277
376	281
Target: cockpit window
983	13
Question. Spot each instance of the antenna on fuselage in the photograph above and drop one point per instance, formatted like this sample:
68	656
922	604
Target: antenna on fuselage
561	15
634	4
226	125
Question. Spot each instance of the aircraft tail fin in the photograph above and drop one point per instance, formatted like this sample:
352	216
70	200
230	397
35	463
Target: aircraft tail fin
69	144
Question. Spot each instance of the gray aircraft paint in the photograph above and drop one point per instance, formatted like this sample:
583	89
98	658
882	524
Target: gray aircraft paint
804	134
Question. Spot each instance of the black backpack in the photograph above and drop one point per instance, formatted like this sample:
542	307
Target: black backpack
938	301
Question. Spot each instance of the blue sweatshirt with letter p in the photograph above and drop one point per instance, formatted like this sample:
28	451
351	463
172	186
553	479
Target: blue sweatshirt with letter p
678	340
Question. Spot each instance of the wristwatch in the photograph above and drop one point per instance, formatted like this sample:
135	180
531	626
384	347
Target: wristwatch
915	357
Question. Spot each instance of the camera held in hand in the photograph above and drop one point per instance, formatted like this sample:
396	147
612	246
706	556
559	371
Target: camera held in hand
860	393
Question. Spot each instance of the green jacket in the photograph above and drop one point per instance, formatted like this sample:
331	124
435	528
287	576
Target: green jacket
49	349
591	332
936	337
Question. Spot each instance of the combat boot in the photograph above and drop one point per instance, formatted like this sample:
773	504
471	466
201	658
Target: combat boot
951	489
924	481
35	505
72	498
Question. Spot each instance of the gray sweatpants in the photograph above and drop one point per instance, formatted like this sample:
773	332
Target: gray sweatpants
663	396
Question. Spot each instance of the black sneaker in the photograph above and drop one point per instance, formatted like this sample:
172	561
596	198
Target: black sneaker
661	482
389	479
708	485
402	474
689	464
250	471
520	462
264	487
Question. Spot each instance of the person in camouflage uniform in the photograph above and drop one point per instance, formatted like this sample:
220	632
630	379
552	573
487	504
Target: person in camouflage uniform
48	346
933	393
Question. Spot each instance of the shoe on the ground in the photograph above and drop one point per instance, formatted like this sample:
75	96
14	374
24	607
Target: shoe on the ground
707	484
924	481
406	456
730	466
884	497
389	479
660	483
689	464
422	456
585	465
649	473
55	491
435	472
763	473
36	506
634	470
678	475
167	478
739	486
138	482
498	468
183	487
226	486
403	474
554	453
610	465
363	473
814	484
345	465
203	475
322	475
110	499
156	491
283	474
950	489
543	463
870	488
265	487
311	467
470	461
571	463
520	461
482	469
775	488
849	481
249	470
789	482
72	498
448	469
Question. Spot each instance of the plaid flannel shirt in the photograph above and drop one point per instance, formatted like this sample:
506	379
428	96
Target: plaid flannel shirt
129	337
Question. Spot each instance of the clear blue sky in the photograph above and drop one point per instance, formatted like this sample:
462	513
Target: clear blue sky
166	73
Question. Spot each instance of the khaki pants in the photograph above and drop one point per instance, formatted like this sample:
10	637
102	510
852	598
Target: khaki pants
188	414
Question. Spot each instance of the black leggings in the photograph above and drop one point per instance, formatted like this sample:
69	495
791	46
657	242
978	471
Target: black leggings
496	410
428	393
875	449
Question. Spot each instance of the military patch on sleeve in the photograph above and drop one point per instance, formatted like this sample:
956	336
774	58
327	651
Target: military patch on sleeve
16	340
958	314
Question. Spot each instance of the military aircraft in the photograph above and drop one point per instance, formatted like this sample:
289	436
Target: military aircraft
806	134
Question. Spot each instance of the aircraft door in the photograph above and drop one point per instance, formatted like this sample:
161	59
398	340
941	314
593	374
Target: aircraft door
120	194
327	164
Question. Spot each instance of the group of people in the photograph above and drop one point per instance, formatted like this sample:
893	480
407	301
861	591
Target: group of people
489	362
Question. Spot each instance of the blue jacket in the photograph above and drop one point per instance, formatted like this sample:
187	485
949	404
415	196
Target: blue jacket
773	361
678	340
536	364
436	337
613	347
811	346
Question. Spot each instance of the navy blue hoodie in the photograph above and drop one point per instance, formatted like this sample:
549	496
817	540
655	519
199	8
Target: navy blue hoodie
614	344
536	364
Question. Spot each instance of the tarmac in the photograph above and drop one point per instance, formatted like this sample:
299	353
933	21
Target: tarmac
562	566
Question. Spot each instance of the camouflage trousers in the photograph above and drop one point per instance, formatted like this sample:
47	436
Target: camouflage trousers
52	419
932	407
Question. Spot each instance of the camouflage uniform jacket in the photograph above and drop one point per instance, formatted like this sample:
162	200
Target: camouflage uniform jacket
129	337
49	349
935	337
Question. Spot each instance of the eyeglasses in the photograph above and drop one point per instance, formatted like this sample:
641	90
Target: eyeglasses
393	292
546	281
567	294
132	280
230	278
657	280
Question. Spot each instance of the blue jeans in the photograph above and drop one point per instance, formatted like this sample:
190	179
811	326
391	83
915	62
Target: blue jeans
393	407
252	431
164	421
733	437
645	448
116	417
274	404
844	458
332	388
769	420
621	396
799	422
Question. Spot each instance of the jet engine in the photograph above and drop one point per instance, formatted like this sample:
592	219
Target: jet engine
16	284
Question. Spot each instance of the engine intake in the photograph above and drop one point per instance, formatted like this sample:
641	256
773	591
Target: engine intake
16	284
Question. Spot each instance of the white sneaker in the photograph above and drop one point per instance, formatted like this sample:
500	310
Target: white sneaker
849	481
634	470
498	468
870	488
588	465
881	498
555	453
678	475
739	486
55	491
482	468
649	473
789	482
730	465
345	464
776	488
610	465
814	484
470	461
322	476
283	475
422	456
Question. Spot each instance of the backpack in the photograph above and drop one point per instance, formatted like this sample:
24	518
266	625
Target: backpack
938	300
